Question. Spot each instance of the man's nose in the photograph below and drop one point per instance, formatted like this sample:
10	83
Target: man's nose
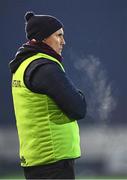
63	41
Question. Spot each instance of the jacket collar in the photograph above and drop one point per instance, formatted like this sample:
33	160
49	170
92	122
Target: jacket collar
44	48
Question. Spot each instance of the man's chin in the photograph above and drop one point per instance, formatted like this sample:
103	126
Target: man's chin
60	52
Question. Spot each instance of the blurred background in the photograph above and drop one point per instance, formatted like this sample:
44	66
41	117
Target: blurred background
95	58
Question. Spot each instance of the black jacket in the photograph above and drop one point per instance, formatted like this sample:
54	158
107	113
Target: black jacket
46	77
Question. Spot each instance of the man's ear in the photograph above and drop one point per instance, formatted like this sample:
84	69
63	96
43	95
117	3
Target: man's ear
34	40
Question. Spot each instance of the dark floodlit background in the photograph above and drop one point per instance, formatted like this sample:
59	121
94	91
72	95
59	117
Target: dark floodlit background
95	58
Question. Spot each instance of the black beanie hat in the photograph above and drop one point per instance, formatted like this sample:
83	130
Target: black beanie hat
40	27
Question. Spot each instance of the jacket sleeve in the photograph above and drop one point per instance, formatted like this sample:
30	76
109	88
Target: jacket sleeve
49	79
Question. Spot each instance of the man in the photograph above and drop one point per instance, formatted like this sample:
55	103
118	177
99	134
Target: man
46	102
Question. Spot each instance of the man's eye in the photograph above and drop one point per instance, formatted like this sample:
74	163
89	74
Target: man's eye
60	35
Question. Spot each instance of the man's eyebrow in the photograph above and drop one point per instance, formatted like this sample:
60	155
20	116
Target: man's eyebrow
61	34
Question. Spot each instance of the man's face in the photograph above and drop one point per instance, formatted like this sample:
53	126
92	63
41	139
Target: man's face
56	41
